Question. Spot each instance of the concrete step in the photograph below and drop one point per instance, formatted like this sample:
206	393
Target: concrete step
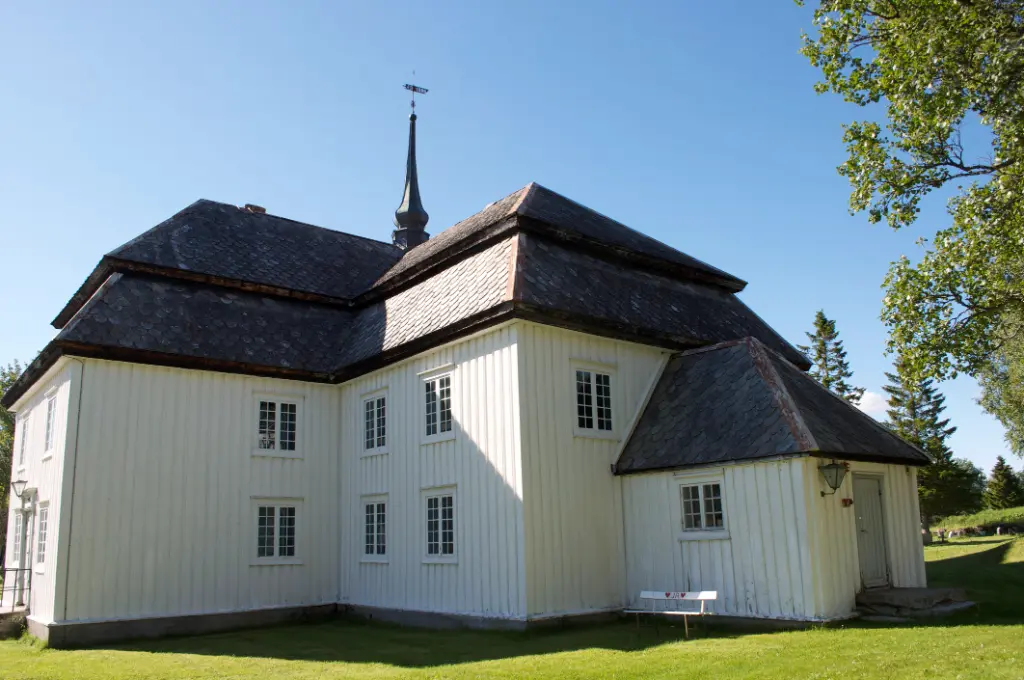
912	602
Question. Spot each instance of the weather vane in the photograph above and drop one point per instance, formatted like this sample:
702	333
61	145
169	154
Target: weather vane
414	89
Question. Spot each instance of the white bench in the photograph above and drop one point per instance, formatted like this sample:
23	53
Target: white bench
655	596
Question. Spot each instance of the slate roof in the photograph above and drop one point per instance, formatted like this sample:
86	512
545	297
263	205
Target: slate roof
225	288
741	401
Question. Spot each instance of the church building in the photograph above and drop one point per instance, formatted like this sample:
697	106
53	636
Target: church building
535	414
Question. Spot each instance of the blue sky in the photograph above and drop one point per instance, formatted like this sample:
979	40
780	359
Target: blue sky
693	122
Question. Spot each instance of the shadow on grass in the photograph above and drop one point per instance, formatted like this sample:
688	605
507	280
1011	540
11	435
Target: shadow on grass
352	641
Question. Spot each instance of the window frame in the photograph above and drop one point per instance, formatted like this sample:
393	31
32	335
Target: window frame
375	558
50	425
19	529
425	496
42	535
377	449
704	533
278	398
426	377
276	559
23	441
595	368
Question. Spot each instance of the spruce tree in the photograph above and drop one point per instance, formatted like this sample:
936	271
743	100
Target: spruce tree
831	367
1004	488
948	486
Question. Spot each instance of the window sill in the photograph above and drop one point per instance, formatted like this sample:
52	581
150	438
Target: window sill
46	456
370	453
276	562
441	560
39	569
610	435
372	559
272	453
705	535
438	438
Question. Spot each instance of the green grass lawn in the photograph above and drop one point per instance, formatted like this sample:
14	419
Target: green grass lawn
985	518
987	642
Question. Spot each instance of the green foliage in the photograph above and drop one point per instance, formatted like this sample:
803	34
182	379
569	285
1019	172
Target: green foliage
826	352
1004	488
1002	390
940	68
949	485
988	519
8	374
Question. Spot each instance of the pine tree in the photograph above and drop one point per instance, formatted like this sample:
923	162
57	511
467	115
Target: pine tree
949	485
831	367
1004	488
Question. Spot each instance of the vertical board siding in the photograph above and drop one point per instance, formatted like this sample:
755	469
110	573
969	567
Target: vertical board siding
45	472
482	463
835	564
758	571
163	514
574	546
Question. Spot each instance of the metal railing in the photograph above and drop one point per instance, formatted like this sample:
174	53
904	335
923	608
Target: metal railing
15	588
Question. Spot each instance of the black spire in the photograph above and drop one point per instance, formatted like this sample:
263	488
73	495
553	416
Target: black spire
411	218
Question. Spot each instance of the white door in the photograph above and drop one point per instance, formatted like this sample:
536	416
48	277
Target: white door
867	502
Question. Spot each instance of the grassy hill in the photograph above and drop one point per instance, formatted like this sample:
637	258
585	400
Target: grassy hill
986	518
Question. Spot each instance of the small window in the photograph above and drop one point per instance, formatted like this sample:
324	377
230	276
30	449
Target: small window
277	426
438	406
24	439
19	527
441	525
375	528
702	507
593	401
375	424
275	531
51	412
44	517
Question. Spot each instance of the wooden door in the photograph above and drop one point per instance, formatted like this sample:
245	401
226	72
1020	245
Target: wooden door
871	549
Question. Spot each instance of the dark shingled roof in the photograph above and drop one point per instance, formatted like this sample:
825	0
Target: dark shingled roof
740	401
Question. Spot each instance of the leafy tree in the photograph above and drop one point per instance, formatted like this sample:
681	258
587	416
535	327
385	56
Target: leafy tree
948	486
949	75
8	375
1002	391
830	367
1004	488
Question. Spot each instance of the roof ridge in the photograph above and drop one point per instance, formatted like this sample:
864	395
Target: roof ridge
787	405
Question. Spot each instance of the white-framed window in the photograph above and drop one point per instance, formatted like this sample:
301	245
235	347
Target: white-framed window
23	427
593	387
276	531
375	528
375	423
51	414
277	426
440	508
41	531
438	390
702	508
19	528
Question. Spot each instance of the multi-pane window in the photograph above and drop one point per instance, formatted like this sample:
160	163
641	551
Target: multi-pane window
702	506
375	431
375	514
19	526
51	412
441	525
593	400
277	425
24	437
275	531
438	405
44	517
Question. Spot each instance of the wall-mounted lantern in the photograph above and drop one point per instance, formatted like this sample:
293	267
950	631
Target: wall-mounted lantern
834	474
19	487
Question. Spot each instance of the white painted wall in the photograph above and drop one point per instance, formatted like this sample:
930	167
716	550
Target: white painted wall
163	519
45	472
482	462
762	569
833	534
574	550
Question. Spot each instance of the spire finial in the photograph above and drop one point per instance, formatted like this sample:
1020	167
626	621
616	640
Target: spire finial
411	218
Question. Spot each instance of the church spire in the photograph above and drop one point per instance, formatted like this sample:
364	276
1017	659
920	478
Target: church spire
411	218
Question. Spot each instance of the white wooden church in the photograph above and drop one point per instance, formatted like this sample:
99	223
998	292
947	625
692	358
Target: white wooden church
536	414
